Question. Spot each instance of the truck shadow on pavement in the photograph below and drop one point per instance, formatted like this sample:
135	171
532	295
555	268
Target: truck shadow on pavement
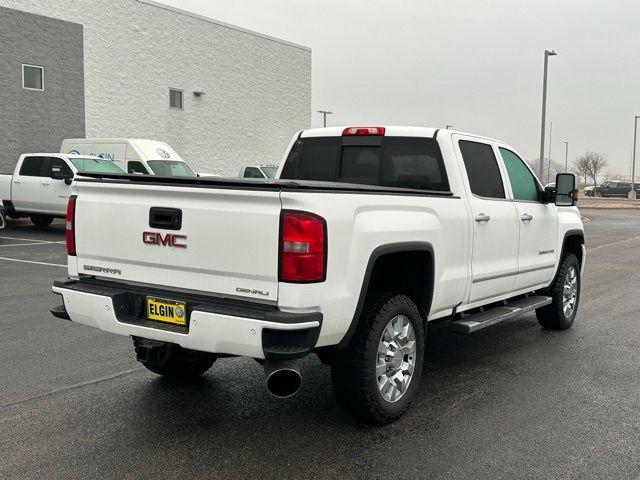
233	389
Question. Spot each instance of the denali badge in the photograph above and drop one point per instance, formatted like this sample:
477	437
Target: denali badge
93	268
252	292
165	239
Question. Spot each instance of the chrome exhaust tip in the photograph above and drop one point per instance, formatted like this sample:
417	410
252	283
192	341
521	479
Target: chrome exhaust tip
282	379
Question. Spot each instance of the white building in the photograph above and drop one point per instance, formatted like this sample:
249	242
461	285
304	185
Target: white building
237	96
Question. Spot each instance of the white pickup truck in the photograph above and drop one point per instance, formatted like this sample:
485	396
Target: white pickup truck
367	235
40	185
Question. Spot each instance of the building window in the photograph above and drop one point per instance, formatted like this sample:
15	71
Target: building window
175	98
32	77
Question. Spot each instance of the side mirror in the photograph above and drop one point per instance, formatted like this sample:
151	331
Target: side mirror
566	193
58	174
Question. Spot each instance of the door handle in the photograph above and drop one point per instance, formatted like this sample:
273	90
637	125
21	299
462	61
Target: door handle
17	180
525	217
46	182
481	217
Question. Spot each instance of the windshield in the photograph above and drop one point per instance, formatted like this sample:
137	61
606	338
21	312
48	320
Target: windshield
270	172
170	168
95	165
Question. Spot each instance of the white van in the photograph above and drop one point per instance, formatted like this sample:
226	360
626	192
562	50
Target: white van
147	157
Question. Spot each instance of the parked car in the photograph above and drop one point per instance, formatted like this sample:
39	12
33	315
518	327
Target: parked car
137	156
615	188
258	171
589	191
41	184
3	221
370	233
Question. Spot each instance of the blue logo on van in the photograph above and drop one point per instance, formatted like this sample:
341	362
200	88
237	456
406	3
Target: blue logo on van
163	153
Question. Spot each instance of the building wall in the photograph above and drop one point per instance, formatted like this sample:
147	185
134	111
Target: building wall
257	89
32	120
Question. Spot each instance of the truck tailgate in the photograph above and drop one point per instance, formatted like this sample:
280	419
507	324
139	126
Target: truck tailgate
227	243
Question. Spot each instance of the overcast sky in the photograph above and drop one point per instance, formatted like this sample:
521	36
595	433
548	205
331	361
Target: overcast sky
476	64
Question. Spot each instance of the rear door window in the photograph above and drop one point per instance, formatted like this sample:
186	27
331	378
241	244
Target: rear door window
482	169
33	167
403	162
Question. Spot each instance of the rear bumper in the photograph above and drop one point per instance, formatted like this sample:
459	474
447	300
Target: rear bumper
214	325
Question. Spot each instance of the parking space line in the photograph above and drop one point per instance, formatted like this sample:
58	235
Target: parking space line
27	244
33	261
29	239
613	243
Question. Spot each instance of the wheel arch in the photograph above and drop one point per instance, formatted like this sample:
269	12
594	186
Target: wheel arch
388	259
572	243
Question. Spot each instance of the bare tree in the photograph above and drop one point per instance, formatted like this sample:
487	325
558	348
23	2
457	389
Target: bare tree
591	163
550	173
581	167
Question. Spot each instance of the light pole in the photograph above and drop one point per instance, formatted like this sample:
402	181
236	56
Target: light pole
447	127
549	167
324	116
547	54
566	157
632	193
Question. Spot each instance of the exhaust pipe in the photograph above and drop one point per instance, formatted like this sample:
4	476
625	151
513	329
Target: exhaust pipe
282	379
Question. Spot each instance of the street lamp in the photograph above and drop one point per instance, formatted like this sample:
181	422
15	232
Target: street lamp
549	167
566	157
632	193
447	127
547	54
324	116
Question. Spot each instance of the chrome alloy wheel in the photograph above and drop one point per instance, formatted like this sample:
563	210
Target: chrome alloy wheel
396	358
570	292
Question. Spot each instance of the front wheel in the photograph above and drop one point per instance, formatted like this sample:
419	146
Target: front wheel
41	220
565	296
377	375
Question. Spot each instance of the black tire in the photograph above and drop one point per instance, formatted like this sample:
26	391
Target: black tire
553	316
353	371
41	220
182	364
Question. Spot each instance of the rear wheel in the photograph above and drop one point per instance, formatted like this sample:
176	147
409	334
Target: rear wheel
377	375
565	296
41	220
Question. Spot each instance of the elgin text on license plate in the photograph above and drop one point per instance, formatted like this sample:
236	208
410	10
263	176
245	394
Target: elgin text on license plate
166	311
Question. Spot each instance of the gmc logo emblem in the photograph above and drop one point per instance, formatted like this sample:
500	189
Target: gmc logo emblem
166	239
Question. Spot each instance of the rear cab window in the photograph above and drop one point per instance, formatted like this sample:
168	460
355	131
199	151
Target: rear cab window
401	162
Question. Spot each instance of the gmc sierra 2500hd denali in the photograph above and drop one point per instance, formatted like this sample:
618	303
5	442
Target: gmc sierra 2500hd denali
367	235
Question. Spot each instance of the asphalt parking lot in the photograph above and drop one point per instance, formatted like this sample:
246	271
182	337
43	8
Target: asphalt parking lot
510	402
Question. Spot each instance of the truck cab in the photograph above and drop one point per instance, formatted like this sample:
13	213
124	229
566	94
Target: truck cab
40	185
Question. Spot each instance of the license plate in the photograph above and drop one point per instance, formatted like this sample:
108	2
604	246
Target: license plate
167	311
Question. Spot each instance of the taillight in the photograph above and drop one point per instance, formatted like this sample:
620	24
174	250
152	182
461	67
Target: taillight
363	131
71	225
303	247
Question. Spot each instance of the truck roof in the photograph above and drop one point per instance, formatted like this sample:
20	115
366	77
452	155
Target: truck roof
390	131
